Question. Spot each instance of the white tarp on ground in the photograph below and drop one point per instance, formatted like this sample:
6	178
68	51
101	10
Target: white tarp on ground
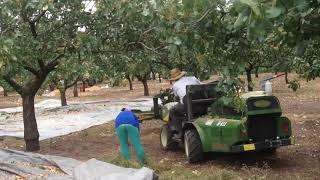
16	164
54	120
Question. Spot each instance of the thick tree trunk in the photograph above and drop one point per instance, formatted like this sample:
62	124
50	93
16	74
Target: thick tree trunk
63	96
249	79
286	77
5	92
31	134
75	90
130	82
145	86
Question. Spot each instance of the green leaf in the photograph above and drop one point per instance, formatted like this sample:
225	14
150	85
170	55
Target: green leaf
273	12
177	41
146	11
188	3
226	101
240	20
301	5
253	5
301	48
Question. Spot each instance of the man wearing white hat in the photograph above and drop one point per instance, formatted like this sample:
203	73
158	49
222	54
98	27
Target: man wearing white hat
177	112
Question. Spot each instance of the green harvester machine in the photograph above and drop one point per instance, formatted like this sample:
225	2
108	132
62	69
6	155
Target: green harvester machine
259	127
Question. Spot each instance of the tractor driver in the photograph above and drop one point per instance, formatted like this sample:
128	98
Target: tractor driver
177	112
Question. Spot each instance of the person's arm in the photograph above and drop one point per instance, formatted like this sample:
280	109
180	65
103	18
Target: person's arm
176	97
137	120
116	120
174	90
197	80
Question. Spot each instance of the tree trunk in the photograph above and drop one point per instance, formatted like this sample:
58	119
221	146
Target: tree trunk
153	75
130	82
63	96
145	86
51	87
31	133
83	86
286	77
249	79
159	78
257	72
5	92
75	90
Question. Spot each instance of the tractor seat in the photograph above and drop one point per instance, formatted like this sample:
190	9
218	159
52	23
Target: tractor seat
199	98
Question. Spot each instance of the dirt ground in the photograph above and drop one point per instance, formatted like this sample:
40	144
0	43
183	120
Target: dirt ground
299	161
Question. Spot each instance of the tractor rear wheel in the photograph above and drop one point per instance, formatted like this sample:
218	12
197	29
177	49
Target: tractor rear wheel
166	140
270	151
193	146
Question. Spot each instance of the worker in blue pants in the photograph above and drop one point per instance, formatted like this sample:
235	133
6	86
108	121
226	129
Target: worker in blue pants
127	128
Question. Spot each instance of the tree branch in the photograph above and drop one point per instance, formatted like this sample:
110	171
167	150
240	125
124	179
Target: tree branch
73	83
145	46
32	23
30	69
41	64
33	29
17	87
37	18
145	32
53	63
311	29
202	17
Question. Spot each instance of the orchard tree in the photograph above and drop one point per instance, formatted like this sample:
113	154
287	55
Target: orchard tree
309	63
128	43
35	36
292	23
67	74
194	33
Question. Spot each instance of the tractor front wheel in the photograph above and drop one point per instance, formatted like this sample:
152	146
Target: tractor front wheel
193	146
166	140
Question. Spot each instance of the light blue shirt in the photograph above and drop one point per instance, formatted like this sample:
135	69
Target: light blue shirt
179	87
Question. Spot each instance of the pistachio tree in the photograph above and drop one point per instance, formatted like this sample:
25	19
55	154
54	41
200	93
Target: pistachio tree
34	38
67	74
195	33
292	23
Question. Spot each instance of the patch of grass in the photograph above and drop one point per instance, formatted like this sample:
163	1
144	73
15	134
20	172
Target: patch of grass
180	171
188	173
177	171
119	161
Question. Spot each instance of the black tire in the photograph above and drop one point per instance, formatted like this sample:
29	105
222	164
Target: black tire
193	146
269	151
167	143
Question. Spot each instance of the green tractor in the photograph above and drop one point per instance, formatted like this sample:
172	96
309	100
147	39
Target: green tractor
260	127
